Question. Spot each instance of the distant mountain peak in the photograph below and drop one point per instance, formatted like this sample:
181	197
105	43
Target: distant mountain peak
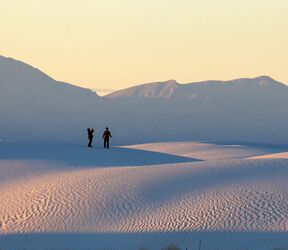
261	81
18	77
172	88
148	90
21	72
171	82
264	77
267	80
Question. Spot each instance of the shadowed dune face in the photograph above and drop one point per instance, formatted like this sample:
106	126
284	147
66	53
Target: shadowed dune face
77	155
153	241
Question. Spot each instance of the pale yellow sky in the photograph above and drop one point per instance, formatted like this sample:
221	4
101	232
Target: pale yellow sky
114	44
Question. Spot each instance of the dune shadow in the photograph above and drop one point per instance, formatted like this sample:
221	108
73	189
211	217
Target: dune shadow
79	155
154	240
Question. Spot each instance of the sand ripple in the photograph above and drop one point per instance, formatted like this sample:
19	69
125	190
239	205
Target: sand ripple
243	195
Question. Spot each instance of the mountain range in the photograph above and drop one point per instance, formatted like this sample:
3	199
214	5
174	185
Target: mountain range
35	107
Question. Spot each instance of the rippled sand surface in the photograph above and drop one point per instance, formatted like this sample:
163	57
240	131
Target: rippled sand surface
181	193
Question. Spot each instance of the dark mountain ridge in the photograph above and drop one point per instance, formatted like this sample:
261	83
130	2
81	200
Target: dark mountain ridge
35	107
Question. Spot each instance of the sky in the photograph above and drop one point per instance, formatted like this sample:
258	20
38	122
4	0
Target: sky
114	44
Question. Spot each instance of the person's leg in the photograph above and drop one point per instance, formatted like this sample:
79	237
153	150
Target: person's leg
107	143
104	143
89	144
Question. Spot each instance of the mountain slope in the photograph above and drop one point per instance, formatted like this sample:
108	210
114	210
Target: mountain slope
149	90
172	89
19	79
239	110
35	107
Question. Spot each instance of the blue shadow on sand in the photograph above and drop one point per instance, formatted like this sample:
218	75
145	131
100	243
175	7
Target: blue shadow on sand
156	240
79	155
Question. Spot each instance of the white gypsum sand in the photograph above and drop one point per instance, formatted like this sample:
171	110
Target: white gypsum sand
150	195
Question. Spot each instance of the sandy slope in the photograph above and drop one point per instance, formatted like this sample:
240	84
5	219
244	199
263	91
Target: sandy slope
205	151
224	202
283	155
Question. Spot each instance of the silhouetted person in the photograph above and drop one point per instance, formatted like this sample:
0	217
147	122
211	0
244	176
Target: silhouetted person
90	136
106	137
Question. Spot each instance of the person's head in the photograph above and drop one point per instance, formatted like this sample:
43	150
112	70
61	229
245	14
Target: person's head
88	129
107	128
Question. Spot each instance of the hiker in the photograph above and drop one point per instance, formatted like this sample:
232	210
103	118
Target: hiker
90	136
106	137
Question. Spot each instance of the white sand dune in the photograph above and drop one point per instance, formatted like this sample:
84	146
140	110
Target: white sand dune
283	155
206	151
133	198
